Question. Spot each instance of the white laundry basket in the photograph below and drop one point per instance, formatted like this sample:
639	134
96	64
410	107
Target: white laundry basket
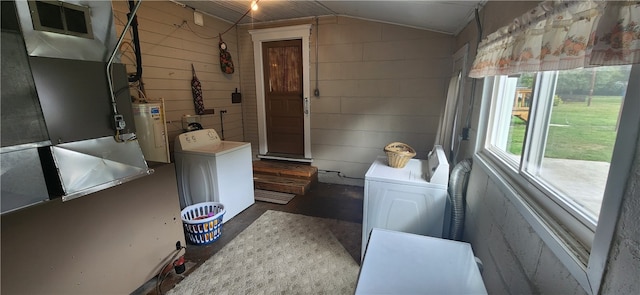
203	222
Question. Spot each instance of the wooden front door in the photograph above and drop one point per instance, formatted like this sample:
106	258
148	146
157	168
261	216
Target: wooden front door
283	97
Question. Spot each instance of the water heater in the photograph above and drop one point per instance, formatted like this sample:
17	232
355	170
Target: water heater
151	129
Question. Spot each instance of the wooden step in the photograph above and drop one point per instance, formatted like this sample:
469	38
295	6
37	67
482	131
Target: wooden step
286	169
282	184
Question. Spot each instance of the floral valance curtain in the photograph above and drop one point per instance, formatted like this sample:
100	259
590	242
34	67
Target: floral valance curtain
560	35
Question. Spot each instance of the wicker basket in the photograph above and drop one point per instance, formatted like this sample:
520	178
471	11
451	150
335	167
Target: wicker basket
399	154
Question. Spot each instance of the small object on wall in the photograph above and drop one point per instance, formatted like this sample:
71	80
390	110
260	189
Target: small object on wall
236	97
196	89
188	121
198	19
226	63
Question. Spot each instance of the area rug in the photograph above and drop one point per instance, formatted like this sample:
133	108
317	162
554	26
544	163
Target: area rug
279	253
273	197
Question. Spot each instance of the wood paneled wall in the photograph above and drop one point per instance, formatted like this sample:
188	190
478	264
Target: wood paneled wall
170	43
378	83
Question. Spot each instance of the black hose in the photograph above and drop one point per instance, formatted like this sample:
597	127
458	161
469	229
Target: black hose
136	45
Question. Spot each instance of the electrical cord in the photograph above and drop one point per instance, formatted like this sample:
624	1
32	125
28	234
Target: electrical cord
133	50
473	83
160	278
123	52
135	38
174	125
467	124
236	23
160	285
117	137
197	34
341	175
144	97
225	31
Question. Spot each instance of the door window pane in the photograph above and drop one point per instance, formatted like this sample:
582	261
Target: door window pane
285	69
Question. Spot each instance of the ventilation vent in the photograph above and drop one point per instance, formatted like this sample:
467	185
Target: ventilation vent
61	17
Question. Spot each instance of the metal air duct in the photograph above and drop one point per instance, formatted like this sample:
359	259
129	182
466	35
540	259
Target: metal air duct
62	48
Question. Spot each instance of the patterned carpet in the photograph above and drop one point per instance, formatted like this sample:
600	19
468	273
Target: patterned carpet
280	253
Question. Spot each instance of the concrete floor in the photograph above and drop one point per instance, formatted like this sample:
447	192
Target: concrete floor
582	181
334	201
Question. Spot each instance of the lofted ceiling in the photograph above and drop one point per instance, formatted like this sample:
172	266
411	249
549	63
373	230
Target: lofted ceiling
448	17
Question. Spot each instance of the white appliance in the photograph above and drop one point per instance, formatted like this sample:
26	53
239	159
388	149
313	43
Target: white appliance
403	263
410	199
211	170
151	130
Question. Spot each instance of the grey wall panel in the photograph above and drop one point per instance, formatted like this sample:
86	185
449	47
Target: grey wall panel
22	120
75	98
22	180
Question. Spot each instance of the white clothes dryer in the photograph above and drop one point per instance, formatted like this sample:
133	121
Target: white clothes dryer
212	170
410	199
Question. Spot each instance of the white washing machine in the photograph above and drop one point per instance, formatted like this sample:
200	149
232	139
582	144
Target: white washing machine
410	199
211	170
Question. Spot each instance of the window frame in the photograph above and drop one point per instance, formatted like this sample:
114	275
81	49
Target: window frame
449	125
533	151
565	235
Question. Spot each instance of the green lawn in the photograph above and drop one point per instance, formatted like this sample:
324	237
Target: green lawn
577	131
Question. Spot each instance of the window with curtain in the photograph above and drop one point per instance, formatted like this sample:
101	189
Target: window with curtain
562	91
561	35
